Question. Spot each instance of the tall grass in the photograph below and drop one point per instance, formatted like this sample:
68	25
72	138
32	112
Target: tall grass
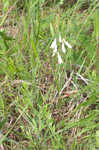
43	104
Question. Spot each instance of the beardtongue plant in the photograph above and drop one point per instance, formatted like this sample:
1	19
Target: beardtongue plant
54	46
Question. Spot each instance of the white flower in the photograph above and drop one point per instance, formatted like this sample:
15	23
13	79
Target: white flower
67	44
53	45
54	50
60	61
63	48
60	38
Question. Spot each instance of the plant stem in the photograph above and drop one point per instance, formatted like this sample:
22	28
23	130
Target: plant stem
97	56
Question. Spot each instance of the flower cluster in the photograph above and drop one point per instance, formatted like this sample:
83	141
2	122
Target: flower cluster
55	49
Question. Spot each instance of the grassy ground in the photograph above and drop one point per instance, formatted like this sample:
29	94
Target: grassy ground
47	103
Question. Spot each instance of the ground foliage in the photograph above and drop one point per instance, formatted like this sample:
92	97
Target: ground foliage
45	105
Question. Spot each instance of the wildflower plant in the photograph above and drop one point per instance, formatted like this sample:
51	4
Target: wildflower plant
55	48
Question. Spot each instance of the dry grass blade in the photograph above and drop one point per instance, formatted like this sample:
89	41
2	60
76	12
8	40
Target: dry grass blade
16	82
66	84
82	78
1	145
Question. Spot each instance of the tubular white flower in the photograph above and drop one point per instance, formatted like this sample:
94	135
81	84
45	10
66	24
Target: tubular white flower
60	61
67	44
54	51
60	38
63	48
53	45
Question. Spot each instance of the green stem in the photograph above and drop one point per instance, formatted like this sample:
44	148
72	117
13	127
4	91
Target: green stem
97	56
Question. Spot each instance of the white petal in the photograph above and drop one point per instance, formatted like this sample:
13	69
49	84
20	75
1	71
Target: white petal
53	45
60	61
60	38
63	48
54	51
67	44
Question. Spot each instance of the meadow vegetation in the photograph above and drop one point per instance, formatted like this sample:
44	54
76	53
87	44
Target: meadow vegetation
49	97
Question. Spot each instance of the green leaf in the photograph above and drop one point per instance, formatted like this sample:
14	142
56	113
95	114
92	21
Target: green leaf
97	23
5	37
34	49
97	138
5	5
52	30
2	123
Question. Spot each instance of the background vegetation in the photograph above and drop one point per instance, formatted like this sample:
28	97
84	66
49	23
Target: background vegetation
45	105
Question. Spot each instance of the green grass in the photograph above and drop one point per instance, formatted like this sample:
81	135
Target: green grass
45	105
